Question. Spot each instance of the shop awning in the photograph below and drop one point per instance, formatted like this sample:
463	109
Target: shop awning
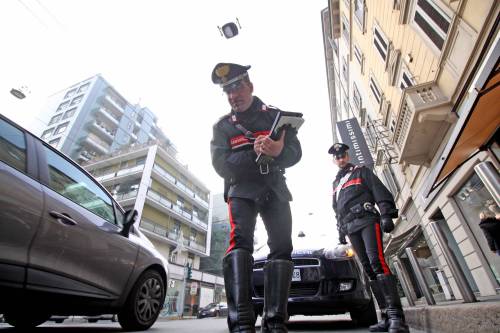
479	119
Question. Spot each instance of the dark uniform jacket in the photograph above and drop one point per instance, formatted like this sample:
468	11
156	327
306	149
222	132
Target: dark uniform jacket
233	156
361	187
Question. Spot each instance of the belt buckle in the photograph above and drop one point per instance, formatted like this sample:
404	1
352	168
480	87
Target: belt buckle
264	171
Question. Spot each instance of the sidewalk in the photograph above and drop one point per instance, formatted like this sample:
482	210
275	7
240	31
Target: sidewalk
456	317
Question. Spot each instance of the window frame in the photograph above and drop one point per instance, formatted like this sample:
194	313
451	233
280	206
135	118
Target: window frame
376	85
379	35
357	98
54	142
441	10
70	93
83	88
68	111
55	119
361	22
27	150
78	100
405	70
45	179
346	33
47	133
63	125
63	106
360	57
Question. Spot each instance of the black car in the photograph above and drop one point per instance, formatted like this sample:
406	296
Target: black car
324	282
213	310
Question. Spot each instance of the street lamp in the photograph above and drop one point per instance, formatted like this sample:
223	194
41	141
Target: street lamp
230	29
20	92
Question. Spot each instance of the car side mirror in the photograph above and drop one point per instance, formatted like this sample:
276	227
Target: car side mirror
128	221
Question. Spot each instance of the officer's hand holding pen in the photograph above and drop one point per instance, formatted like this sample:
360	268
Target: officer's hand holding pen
267	146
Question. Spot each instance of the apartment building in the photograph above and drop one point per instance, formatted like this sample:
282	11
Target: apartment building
174	213
90	119
421	78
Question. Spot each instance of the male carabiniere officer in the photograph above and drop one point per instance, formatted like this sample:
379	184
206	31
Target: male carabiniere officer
252	189
356	190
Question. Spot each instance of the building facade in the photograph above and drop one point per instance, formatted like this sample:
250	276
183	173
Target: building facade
174	213
413	73
91	119
220	236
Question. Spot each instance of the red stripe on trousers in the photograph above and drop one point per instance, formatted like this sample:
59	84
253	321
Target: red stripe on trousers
385	268
231	234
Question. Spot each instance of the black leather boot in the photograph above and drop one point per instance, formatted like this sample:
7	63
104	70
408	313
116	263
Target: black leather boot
237	267
395	312
277	280
383	324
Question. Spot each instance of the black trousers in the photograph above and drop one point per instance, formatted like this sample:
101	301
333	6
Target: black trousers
367	244
277	219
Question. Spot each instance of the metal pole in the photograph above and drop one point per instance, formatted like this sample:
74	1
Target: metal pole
489	176
183	293
452	262
420	276
404	282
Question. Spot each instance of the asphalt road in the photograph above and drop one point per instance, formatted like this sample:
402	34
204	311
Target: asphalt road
298	324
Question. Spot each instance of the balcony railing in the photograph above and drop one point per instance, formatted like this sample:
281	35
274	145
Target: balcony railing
97	143
122	172
109	115
168	176
103	130
125	196
171	234
174	208
113	102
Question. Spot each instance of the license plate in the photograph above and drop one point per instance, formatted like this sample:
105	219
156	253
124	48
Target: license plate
296	275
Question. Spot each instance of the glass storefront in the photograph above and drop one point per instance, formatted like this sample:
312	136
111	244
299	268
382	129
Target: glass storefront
172	304
473	199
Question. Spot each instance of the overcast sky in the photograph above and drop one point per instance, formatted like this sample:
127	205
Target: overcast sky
161	53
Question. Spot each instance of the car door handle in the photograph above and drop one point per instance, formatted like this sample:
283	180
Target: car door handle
63	218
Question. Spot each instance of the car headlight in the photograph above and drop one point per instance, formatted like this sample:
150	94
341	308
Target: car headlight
343	251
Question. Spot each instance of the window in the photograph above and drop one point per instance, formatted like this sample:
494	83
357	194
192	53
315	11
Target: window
12	146
67	180
390	180
55	119
61	128
69	113
358	54
76	100
63	106
431	21
345	70
47	133
356	97
345	28
70	93
54	142
359	14
380	42
406	78
84	88
374	87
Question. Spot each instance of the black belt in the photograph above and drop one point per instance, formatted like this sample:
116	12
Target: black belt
358	211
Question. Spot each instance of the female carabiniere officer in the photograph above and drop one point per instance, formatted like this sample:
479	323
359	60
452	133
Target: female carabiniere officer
356	190
252	189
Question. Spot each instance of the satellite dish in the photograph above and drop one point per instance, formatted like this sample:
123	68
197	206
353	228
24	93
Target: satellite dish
230	29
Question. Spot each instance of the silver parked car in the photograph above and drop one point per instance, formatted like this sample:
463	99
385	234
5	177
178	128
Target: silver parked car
66	247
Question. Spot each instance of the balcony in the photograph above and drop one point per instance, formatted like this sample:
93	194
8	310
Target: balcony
174	210
423	120
101	130
96	143
108	115
171	235
114	103
121	173
125	196
177	185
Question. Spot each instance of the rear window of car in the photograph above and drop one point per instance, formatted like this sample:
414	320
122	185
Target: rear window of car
69	181
12	146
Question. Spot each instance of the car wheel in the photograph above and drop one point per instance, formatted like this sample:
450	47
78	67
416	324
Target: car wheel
25	319
144	302
364	316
